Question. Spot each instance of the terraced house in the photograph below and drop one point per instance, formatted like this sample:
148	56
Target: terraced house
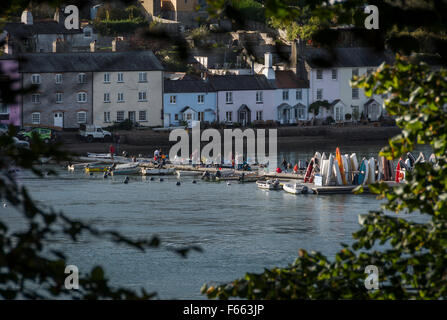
70	89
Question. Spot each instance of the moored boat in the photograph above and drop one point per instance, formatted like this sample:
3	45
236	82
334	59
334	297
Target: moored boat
97	167
156	171
128	168
269	184
296	188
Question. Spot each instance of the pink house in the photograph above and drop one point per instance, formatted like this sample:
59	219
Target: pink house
9	80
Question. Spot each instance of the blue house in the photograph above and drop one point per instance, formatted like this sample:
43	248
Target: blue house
188	100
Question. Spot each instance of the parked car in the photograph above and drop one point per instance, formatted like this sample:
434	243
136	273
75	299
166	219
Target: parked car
20	143
90	132
45	135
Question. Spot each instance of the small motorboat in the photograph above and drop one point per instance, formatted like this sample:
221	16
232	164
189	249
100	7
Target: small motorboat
156	171
97	167
296	188
269	184
128	168
187	173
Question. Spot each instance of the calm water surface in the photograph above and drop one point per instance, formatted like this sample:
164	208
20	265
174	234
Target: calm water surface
241	228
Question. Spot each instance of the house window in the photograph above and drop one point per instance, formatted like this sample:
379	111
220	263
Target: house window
120	97
35	117
58	78
120	77
35	98
106	77
107	116
299	94
259	97
229	97
82	97
201	116
334	74
188	116
355	72
142	116
142	77
319	94
173	99
176	117
106	97
142	96
35	79
259	115
229	116
82	117
59	97
319	74
82	78
120	116
355	93
200	98
285	95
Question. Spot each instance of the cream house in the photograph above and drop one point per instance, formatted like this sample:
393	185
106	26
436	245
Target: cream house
128	85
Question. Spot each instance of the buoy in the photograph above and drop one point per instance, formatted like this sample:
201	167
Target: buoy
91	173
152	179
126	180
105	175
228	183
194	181
178	183
5	205
161	179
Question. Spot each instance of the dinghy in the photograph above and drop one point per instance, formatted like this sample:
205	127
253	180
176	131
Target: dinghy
128	168
156	171
340	165
269	184
328	178
363	174
187	173
371	170
337	173
295	188
97	167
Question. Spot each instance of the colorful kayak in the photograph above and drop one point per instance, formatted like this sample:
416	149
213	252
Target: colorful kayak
340	165
308	175
363	174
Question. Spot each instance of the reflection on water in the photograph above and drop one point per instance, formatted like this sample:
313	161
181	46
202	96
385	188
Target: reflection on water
240	227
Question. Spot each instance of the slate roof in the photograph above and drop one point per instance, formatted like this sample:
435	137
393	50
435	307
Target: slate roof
89	62
21	30
287	79
241	82
345	57
187	86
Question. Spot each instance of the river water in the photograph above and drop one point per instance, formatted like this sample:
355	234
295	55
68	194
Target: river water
239	227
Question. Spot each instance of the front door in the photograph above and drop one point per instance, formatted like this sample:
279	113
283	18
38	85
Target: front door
58	119
243	117
167	120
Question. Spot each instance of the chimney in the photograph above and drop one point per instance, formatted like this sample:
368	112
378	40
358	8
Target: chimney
58	16
27	17
93	46
268	66
119	44
296	59
59	45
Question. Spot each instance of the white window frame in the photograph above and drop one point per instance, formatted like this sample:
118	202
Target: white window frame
299	94
58	78
320	90
259	115
36	78
107	117
142	77
334	74
79	95
78	117
120	78
106	97
117	117
319	74
142	119
229	116
120	97
107	77
35	98
229	97
259	97
82	78
357	95
285	95
201	99
172	99
33	115
142	96
59	97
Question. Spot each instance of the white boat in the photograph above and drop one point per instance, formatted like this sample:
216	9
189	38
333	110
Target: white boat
296	188
187	173
269	185
156	171
128	168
